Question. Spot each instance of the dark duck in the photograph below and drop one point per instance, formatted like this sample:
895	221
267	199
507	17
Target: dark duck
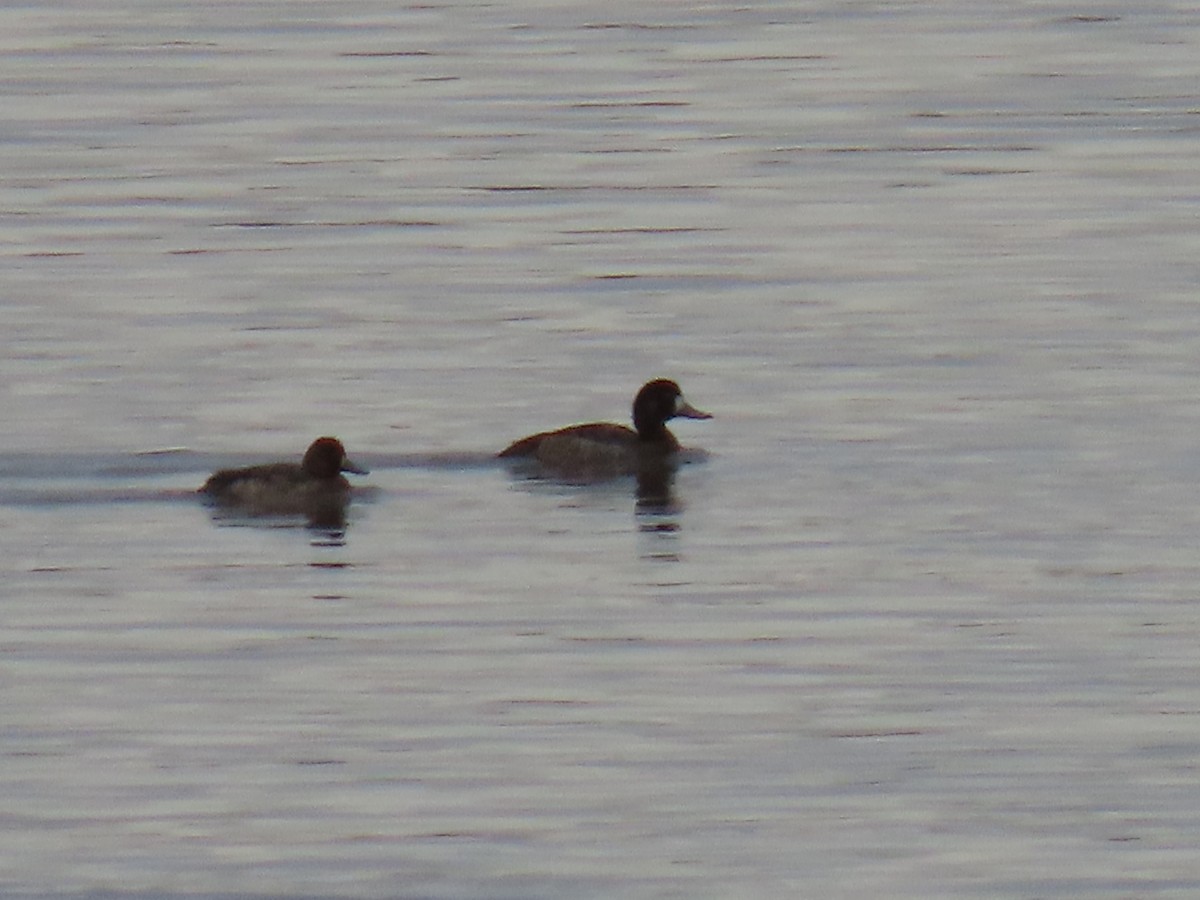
603	449
314	487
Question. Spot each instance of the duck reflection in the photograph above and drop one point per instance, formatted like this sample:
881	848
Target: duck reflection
658	508
658	511
326	522
656	489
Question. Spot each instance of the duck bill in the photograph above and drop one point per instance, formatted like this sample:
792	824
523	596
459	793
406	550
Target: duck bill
687	411
350	467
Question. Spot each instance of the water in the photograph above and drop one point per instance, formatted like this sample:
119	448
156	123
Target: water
923	625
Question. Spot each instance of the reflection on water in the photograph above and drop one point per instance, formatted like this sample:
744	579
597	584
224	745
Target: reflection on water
659	532
659	514
324	513
655	486
327	524
327	517
652	487
330	539
657	506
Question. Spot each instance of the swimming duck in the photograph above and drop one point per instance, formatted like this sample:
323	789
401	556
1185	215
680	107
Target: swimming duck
601	448
313	487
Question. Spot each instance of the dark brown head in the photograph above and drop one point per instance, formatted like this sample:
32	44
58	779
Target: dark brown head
656	403
326	458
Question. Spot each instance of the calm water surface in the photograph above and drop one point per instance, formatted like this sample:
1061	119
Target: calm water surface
923	625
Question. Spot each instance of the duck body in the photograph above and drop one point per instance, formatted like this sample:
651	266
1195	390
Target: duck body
600	449
311	487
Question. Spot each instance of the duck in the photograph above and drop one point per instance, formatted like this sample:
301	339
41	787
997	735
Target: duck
603	448
314	487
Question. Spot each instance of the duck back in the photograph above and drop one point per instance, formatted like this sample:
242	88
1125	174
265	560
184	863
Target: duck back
276	488
593	450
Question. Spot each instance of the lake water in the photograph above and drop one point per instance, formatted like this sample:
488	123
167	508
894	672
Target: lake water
923	625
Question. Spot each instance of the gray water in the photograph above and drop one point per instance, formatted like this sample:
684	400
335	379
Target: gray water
923	625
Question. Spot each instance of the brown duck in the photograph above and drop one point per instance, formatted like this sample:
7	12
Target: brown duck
287	488
602	448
